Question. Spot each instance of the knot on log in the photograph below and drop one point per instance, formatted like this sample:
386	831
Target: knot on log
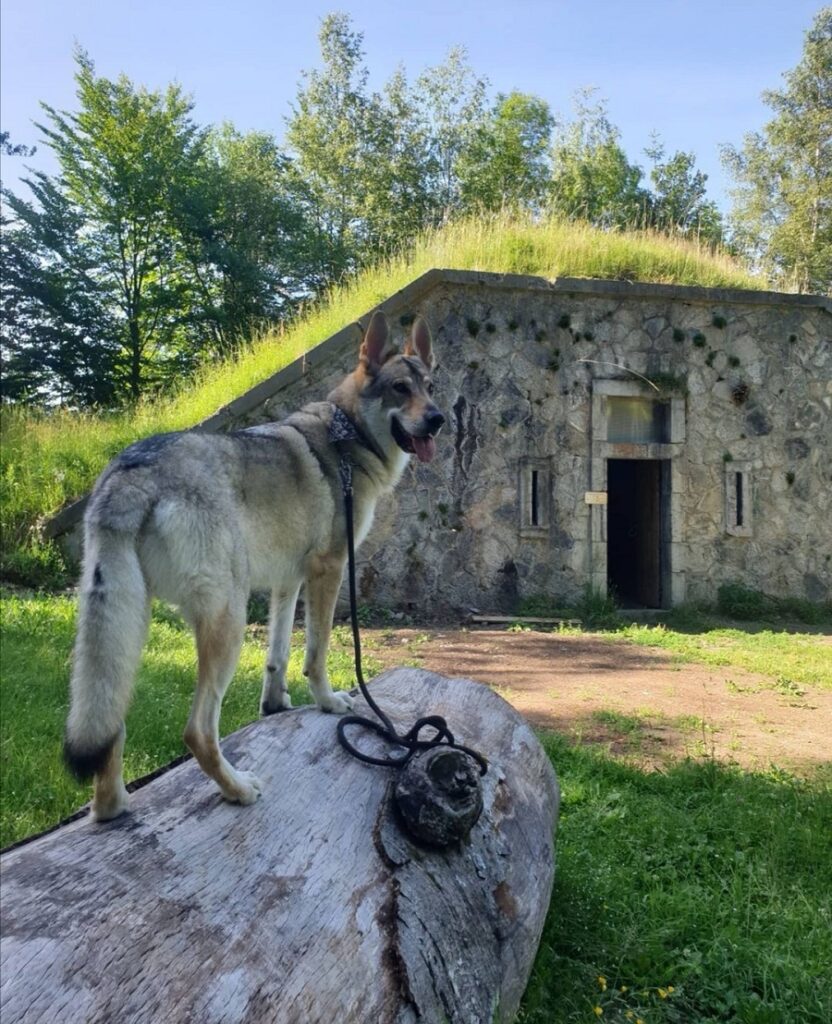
439	795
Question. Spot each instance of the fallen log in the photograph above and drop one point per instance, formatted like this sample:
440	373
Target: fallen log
312	906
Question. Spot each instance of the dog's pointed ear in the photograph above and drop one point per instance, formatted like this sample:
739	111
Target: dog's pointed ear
420	343
376	347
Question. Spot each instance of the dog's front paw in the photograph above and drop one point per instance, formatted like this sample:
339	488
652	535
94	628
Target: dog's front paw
247	789
336	703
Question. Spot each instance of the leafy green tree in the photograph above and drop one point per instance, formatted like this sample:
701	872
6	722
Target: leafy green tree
122	157
241	235
782	212
592	178
451	102
398	202
507	163
678	202
330	132
56	328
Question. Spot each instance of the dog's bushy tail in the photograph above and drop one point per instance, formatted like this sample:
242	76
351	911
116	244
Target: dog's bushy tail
112	625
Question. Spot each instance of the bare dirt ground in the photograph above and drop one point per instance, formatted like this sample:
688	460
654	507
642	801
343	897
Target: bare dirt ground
638	702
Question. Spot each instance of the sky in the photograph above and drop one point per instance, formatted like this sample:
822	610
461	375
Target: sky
691	70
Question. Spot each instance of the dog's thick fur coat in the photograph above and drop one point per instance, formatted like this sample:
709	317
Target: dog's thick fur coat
201	520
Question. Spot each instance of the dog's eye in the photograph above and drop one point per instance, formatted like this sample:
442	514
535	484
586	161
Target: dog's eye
401	387
429	388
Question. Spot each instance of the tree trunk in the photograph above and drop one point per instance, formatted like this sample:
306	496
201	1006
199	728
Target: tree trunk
311	906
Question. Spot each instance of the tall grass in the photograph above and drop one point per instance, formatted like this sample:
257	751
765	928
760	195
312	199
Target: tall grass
48	459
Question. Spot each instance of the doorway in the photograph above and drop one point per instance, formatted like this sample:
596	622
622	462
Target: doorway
638	532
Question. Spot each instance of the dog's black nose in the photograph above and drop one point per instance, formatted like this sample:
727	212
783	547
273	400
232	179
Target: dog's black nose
434	420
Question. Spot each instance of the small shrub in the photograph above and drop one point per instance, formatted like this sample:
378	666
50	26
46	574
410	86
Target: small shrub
699	339
740	602
719	321
473	326
565	321
678	334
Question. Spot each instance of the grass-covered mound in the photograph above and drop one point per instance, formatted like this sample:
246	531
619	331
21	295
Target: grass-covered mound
50	459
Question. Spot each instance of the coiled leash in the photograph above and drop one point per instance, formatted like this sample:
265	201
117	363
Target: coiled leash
456	777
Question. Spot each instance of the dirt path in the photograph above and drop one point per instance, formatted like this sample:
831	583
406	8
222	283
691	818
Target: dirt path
637	701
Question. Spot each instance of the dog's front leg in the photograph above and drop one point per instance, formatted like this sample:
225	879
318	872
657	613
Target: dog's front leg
322	583
275	696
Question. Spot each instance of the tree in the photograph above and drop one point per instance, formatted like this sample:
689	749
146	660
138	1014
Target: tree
451	102
592	178
241	235
56	330
782	213
123	156
398	203
678	201
507	162
330	132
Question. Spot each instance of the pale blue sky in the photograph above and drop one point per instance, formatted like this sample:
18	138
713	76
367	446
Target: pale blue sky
693	71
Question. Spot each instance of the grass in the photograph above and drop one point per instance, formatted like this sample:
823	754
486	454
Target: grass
38	632
785	657
699	893
50	459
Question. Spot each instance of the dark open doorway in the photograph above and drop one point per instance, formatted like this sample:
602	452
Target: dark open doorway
638	531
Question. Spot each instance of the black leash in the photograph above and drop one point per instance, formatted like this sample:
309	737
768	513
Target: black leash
342	430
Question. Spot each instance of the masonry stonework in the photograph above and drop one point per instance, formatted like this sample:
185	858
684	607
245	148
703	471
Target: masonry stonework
535	490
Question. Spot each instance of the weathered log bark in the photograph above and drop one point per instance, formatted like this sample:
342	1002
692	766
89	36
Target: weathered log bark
310	906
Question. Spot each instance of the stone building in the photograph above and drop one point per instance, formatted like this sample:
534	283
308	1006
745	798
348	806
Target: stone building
653	441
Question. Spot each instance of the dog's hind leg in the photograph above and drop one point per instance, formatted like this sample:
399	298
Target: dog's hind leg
219	637
322	583
275	695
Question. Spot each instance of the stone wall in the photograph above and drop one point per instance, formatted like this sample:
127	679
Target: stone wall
526	372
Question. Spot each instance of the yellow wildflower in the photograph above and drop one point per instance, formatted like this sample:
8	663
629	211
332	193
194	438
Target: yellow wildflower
598	1010
623	989
602	981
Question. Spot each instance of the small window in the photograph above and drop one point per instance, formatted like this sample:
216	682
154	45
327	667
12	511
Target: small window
637	421
534	497
738	509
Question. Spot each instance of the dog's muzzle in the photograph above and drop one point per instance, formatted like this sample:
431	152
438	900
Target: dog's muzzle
422	445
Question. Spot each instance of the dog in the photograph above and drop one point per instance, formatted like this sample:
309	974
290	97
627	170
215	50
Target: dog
200	520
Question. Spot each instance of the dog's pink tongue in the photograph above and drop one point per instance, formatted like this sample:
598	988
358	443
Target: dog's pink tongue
425	448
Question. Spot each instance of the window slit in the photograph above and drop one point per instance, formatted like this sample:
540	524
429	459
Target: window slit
535	499
739	503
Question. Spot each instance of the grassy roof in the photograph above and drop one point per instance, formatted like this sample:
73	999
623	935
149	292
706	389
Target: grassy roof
48	459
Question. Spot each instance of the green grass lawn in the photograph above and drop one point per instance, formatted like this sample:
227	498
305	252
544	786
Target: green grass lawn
38	632
788	658
693	895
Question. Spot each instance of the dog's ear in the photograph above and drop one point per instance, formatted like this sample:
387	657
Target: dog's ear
419	343
376	347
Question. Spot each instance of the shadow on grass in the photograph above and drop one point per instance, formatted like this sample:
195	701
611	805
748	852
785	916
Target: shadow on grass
696	894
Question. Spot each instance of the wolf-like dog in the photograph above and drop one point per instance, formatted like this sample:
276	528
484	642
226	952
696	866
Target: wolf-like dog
200	520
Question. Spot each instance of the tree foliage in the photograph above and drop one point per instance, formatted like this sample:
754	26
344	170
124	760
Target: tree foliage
506	164
678	202
782	215
592	178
